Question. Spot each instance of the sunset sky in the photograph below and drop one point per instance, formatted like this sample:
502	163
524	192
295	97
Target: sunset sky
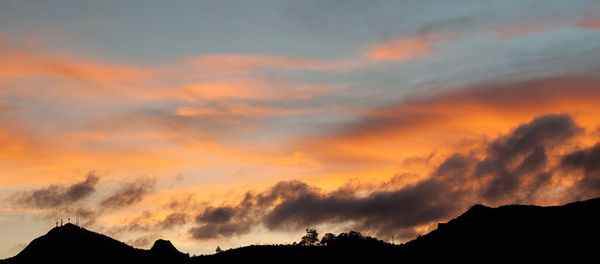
229	123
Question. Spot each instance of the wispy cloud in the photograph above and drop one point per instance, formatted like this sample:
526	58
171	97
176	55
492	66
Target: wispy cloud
22	63
518	31
408	48
129	193
403	49
56	195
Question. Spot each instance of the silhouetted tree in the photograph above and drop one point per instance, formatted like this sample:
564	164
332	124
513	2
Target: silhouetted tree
328	239
310	238
218	250
350	236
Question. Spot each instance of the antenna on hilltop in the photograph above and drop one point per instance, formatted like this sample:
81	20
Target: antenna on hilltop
77	218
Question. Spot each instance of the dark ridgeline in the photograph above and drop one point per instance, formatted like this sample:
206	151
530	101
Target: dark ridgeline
512	233
349	247
73	244
163	251
569	232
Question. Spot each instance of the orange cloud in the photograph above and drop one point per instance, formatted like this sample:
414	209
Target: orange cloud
231	109
518	31
227	65
12	144
403	49
453	121
590	22
266	89
231	64
214	77
17	63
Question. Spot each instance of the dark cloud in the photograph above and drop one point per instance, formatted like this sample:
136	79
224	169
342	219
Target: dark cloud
588	162
378	212
234	220
543	131
522	155
129	193
296	205
62	201
456	166
286	190
174	219
514	168
57	195
212	230
216	215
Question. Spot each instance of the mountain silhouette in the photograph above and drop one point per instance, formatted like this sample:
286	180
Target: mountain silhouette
513	233
74	244
163	251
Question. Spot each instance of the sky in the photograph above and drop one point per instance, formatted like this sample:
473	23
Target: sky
229	123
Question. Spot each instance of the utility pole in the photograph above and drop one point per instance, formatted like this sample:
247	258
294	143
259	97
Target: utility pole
392	239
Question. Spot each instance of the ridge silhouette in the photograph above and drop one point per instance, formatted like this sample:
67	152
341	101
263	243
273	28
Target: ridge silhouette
481	234
163	251
73	244
569	231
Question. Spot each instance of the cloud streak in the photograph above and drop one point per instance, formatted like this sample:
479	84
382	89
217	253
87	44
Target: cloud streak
19	63
590	22
404	49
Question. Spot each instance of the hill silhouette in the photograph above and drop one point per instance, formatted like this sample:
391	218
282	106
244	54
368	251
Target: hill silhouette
533	232
73	244
483	234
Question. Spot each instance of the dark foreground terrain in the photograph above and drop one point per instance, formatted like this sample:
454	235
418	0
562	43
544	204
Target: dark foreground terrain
514	233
